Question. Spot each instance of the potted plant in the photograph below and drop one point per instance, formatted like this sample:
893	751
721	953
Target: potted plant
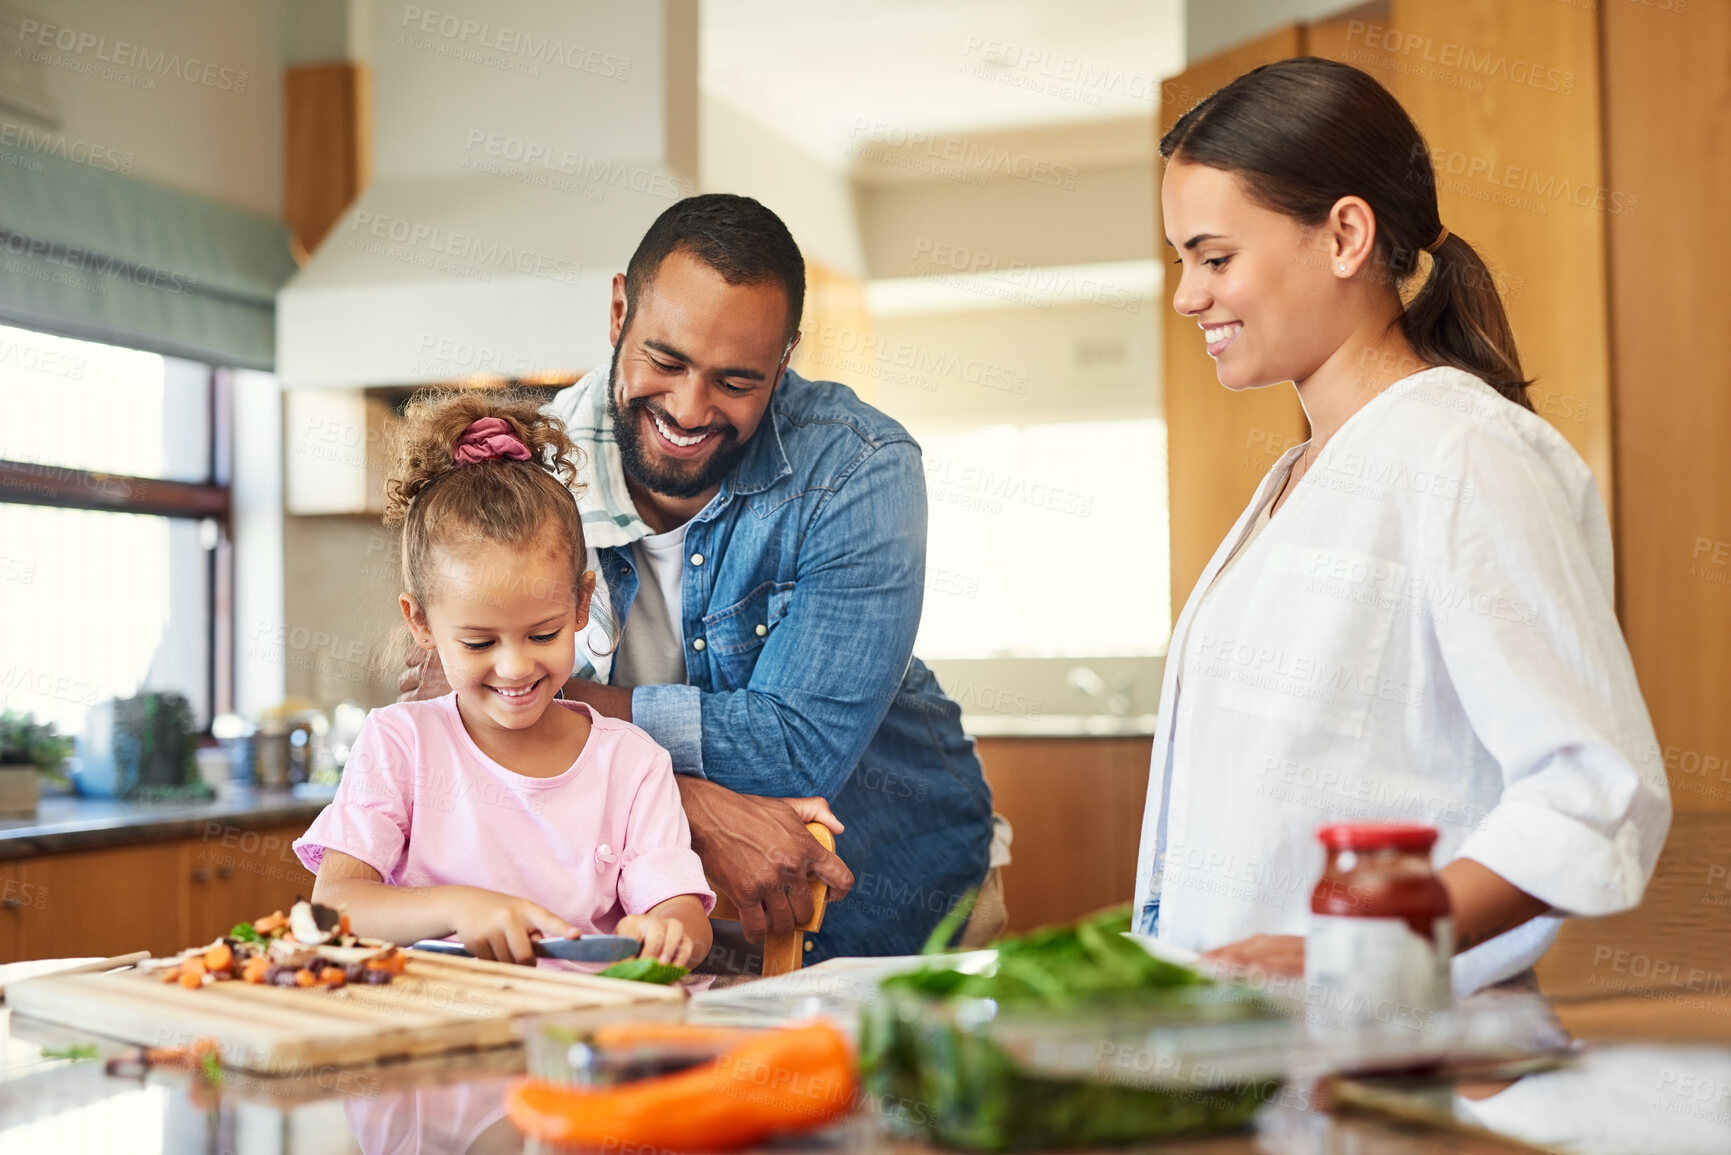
27	749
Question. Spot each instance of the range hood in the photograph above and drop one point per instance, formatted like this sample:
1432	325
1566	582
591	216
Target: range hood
522	150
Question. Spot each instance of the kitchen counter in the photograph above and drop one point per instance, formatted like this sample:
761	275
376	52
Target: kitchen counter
68	823
1668	1092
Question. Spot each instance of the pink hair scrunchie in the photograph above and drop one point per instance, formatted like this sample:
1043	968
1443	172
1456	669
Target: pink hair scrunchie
488	439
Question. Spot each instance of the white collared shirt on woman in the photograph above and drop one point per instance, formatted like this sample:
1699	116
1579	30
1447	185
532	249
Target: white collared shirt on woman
1423	631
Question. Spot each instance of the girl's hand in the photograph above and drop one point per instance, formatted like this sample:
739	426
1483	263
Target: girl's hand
499	927
815	810
1275	954
663	939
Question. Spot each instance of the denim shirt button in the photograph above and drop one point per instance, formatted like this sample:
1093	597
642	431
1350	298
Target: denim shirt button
697	643
696	559
762	631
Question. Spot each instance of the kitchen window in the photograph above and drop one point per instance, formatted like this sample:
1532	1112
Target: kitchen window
114	555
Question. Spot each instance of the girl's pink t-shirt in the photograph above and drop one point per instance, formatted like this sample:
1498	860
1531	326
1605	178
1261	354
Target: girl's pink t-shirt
422	805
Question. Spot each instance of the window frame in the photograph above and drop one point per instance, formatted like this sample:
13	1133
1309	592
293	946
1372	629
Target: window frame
66	487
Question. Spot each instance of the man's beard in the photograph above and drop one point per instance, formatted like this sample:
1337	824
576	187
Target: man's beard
677	480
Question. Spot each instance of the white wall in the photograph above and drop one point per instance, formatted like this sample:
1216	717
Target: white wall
184	93
737	154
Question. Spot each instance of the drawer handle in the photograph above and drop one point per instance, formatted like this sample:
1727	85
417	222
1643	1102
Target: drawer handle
200	874
12	902
225	872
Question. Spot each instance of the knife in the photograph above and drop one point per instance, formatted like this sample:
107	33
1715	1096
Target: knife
589	948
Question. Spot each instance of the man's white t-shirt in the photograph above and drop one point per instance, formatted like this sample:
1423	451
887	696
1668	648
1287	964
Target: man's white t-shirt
652	650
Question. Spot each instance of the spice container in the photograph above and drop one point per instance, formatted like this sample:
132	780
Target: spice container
1380	934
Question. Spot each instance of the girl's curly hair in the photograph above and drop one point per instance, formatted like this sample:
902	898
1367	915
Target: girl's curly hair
439	503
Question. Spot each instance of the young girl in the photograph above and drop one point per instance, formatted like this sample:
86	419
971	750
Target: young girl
1413	619
498	813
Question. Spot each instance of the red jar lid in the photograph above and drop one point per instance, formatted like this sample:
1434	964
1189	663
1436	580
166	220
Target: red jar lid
1378	836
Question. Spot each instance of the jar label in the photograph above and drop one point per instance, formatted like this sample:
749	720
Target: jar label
1378	970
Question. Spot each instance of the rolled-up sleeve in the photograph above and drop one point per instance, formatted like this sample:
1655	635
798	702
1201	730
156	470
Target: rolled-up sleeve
370	815
673	714
659	862
1541	669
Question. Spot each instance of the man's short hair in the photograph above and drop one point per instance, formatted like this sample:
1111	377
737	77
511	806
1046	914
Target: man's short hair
734	235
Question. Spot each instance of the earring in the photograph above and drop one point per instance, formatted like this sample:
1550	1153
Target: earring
1343	268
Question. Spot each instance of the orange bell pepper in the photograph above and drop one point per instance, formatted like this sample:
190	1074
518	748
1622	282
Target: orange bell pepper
793	1079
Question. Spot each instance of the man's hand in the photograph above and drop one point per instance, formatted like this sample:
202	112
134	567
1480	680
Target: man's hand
758	851
422	677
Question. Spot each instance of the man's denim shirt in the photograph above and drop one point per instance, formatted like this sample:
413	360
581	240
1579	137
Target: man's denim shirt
799	628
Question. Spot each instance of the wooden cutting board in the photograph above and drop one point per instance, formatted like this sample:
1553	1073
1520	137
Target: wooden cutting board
440	1003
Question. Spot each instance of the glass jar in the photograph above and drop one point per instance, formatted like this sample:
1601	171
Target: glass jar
1380	933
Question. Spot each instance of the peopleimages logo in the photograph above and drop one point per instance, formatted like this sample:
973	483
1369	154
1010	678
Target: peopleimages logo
1453	55
123	54
469	39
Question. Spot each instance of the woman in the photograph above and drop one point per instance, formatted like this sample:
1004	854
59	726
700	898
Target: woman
1413	619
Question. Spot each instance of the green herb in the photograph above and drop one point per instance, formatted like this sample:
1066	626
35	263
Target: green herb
1056	966
971	1093
210	1068
645	970
939	940
244	932
82	1051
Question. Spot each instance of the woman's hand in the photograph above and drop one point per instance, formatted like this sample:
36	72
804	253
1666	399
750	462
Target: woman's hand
499	927
1275	954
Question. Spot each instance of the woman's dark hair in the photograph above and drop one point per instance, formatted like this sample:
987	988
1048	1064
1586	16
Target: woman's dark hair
1305	132
734	235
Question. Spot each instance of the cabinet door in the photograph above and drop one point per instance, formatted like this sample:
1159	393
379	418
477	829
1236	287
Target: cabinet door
103	902
240	874
15	896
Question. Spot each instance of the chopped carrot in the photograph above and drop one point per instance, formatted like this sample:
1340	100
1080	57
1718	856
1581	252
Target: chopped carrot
270	922
343	924
393	962
689	1034
331	977
305	978
172	975
256	968
219	957
192	973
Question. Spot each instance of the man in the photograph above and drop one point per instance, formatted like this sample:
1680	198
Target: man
761	545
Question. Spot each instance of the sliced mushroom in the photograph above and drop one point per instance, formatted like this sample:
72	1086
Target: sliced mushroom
313	923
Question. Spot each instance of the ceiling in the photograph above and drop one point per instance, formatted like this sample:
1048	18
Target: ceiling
826	74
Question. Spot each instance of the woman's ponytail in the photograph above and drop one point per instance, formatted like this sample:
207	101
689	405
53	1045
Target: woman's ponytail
1305	132
1457	319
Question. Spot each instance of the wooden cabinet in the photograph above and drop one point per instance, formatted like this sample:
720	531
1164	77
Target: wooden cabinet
15	896
102	902
158	897
1076	807
240	874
